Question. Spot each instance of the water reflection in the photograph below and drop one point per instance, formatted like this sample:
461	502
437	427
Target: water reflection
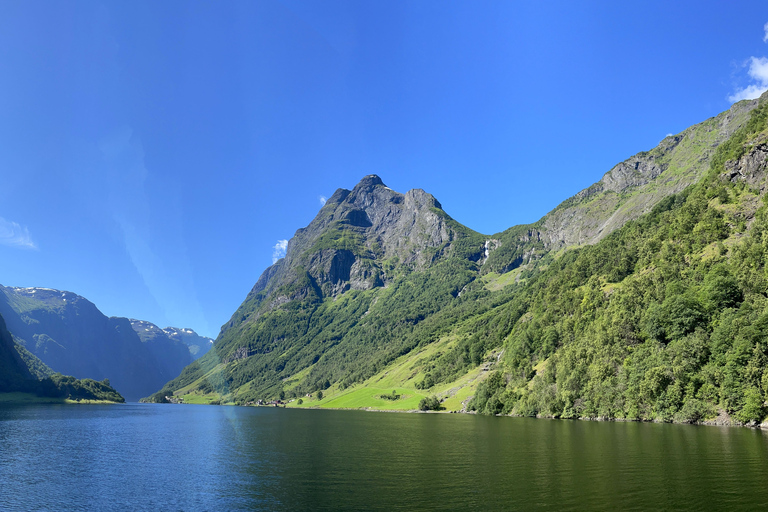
149	457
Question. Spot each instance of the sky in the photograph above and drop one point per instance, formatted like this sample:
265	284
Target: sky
155	157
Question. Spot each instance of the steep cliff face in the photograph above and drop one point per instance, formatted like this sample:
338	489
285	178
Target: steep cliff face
171	355
751	167
22	372
177	347
630	189
361	239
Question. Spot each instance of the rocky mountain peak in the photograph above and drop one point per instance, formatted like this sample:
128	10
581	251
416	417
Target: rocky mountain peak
360	239
368	182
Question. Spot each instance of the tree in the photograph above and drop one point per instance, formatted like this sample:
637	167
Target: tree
429	404
319	395
754	408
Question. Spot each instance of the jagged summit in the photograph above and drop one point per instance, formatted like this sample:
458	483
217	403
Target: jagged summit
363	193
369	181
361	239
356	230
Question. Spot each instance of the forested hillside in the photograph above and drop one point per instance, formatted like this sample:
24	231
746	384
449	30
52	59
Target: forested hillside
654	311
665	319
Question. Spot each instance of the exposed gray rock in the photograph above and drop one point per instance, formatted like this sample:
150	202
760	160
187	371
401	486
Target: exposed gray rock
751	167
630	189
359	240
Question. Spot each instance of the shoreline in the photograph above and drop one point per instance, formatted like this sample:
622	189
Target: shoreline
18	398
707	423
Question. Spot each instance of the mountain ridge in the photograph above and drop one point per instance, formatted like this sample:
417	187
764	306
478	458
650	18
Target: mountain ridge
68	333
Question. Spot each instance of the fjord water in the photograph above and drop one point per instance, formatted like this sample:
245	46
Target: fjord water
186	457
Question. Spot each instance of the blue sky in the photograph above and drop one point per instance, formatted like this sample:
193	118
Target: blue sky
152	154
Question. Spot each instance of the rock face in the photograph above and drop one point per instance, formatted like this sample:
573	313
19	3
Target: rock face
750	168
70	335
359	240
630	189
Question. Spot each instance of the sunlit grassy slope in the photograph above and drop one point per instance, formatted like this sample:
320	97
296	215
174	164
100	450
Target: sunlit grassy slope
400	376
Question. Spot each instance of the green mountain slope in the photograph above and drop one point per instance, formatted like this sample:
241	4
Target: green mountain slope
666	319
383	302
629	190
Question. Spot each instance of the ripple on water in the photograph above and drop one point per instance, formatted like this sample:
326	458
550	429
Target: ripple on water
166	457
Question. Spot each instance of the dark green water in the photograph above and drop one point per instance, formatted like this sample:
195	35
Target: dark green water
166	457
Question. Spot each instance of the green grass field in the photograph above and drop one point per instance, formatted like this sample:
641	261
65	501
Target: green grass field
400	376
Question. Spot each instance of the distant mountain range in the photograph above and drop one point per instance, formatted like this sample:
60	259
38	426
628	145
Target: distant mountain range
612	305
197	345
70	335
21	373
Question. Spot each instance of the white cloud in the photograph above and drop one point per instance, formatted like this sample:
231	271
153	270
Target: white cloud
669	134
14	235
322	199
758	72
278	251
765	37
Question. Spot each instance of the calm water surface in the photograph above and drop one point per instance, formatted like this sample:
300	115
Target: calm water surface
187	457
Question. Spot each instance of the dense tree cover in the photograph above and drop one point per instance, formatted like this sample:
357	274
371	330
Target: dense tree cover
393	396
62	386
85	389
665	319
343	341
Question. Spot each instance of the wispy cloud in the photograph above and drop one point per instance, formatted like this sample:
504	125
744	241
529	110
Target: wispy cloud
322	199
758	73
278	251
13	234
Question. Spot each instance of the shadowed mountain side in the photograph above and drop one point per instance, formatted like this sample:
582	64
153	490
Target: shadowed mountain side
21	372
70	335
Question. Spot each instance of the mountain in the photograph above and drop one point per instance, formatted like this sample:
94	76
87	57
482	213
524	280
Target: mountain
174	337
630	189
611	305
21	372
69	334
